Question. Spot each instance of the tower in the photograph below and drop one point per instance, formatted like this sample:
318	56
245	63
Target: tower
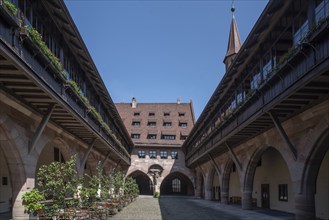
234	43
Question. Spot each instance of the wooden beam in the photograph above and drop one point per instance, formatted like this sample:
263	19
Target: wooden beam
117	166
233	156
103	162
40	128
85	156
283	134
215	165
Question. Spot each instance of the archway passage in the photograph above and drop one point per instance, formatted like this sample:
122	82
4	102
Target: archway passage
144	183
5	185
176	184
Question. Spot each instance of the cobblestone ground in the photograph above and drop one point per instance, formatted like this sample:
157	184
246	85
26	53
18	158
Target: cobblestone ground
181	208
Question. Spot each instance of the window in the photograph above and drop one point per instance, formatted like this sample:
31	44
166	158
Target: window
174	155
5	181
259	164
135	136
152	136
166	114
137	113
153	154
151	114
181	114
58	155
141	154
168	137
301	33
136	123
176	185
151	123
183	124
233	168
183	137
283	192
167	124
322	10
163	155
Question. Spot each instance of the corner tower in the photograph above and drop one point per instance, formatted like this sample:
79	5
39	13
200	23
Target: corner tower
234	43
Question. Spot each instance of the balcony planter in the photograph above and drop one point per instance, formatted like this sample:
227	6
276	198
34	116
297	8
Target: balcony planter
9	12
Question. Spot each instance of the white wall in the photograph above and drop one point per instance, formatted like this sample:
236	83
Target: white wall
5	191
234	184
273	171
322	190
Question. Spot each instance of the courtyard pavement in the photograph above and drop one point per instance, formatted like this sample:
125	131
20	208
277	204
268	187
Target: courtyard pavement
189	208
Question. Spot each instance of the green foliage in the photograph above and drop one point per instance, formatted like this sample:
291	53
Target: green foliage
131	187
96	114
11	7
118	181
287	56
156	195
37	39
58	181
31	201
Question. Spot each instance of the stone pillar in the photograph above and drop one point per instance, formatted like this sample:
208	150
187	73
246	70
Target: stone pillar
246	200
305	207
208	194
224	197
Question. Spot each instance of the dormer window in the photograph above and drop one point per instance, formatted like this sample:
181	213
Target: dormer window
151	123
135	136
183	124
167	124
181	114
166	114
137	113
151	114
136	123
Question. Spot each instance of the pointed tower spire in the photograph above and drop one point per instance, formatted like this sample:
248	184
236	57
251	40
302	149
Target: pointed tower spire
234	43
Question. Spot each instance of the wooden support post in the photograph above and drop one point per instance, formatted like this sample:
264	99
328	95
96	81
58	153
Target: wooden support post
103	162
233	156
215	164
41	128
283	134
117	165
85	156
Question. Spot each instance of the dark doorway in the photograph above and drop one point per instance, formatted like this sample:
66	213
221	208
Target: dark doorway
176	184
144	183
265	196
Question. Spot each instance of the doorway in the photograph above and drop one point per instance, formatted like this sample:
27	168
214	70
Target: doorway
265	188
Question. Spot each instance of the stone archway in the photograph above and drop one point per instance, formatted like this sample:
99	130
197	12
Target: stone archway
267	181
177	183
12	165
307	204
231	190
212	186
143	181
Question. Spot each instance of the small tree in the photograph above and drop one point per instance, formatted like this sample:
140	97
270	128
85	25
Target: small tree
58	181
118	182
131	187
31	201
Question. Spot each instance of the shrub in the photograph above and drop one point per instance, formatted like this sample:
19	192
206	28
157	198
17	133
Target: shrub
31	201
156	195
11	7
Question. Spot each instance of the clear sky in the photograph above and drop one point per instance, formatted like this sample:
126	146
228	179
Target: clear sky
158	51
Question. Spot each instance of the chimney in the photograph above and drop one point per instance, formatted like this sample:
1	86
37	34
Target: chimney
133	103
178	101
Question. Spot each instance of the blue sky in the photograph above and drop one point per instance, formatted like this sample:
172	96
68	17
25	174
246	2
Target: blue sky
158	51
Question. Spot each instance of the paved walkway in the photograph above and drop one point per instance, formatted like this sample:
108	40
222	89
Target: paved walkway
181	208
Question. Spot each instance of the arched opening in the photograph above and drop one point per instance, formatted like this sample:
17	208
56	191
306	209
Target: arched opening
143	181
272	185
322	189
176	184
5	185
234	190
215	193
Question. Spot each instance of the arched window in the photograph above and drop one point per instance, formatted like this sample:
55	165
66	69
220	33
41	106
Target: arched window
176	185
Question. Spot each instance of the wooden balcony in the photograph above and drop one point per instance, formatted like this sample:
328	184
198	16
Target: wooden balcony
296	85
30	77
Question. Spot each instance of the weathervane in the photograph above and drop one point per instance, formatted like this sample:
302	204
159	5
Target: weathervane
232	8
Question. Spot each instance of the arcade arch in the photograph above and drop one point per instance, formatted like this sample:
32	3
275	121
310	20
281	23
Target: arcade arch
176	183
143	181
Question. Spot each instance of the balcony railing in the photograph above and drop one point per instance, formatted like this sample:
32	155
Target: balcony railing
261	95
